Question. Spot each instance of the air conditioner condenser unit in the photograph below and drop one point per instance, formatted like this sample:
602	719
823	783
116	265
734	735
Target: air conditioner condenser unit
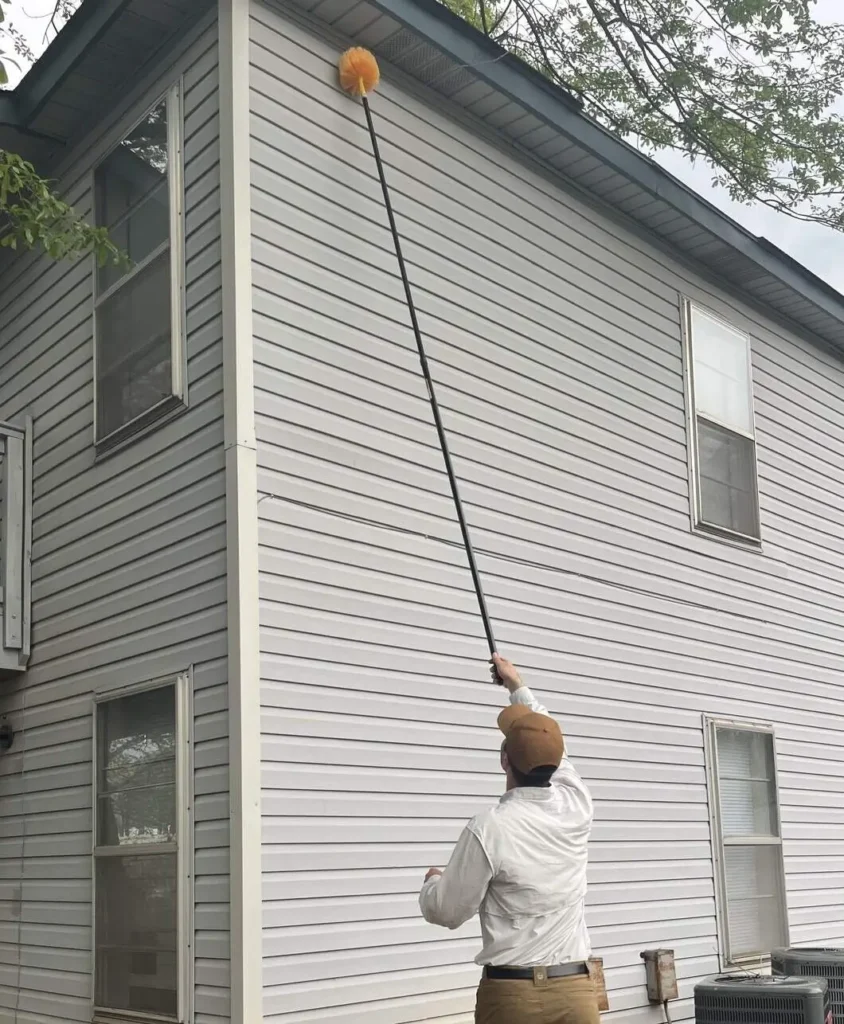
815	962
754	999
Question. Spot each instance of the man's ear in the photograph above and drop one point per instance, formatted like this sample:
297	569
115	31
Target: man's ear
505	761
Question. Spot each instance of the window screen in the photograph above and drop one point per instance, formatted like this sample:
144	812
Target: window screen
748	833
723	426
138	343
136	855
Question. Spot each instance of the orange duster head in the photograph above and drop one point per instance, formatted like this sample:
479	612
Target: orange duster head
359	72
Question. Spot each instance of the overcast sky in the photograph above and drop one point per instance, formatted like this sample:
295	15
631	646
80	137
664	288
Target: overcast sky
820	249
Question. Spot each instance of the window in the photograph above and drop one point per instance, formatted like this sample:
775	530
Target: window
721	425
138	308
746	840
140	854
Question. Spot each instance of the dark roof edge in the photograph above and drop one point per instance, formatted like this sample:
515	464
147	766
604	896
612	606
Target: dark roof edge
556	108
19	106
799	268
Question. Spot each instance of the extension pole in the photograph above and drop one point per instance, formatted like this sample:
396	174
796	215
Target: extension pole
432	395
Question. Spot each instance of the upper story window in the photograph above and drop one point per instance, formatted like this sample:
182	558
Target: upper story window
138	309
747	840
721	424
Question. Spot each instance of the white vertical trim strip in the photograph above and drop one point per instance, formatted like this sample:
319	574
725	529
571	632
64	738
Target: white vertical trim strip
241	516
691	419
713	794
12	588
26	571
176	186
185	856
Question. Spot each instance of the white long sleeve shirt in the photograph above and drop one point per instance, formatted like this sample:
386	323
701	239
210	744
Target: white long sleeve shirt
522	865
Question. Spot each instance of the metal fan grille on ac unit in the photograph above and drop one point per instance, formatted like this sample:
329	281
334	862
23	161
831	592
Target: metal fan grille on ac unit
732	999
744	1010
815	962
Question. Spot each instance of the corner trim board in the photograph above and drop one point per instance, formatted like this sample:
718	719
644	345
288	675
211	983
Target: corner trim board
241	516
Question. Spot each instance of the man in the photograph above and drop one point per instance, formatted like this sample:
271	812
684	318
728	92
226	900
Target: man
522	864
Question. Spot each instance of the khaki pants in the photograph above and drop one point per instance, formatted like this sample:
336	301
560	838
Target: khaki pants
553	1001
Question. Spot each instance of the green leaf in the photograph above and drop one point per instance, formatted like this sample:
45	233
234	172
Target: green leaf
33	215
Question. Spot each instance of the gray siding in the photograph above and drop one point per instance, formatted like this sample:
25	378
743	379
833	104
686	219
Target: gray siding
128	584
555	340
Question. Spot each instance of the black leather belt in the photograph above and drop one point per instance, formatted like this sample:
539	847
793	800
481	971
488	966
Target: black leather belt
535	973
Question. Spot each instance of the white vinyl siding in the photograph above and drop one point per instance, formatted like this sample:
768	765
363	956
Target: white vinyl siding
721	425
746	826
128	584
555	342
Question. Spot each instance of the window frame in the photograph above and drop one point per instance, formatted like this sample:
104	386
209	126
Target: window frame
699	524
177	400
183	689
718	841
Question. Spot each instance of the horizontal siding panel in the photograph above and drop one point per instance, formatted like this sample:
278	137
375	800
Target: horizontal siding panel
336	389
308	886
555	343
291	776
532	302
325	829
307	305
128	585
371	908
377	712
623	691
441	144
286	804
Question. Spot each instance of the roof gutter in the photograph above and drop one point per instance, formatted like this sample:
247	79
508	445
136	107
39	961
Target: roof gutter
552	105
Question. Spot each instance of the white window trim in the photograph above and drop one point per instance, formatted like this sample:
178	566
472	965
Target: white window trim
178	399
183	683
699	524
717	841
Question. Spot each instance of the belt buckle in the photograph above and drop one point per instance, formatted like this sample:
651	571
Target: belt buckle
540	976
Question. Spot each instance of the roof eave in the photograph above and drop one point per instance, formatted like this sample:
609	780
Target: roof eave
20	106
8	110
556	108
502	72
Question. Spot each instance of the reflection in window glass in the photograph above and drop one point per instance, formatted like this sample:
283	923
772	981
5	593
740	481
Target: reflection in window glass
722	422
748	832
136	791
135	341
722	373
136	855
132	195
